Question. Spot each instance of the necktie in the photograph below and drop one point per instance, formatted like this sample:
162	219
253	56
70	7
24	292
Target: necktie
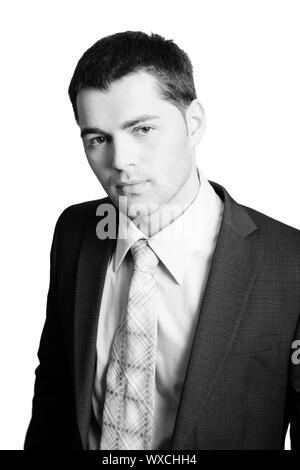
127	420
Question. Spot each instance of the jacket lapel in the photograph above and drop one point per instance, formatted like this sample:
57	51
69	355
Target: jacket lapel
91	270
233	270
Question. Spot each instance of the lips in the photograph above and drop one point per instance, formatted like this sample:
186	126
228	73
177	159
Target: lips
132	187
129	183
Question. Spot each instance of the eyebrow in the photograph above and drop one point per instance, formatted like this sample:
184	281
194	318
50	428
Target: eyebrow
124	125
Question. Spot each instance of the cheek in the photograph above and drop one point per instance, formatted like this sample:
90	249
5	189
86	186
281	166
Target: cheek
172	157
175	143
96	159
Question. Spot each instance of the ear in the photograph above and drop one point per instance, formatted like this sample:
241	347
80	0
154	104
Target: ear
196	122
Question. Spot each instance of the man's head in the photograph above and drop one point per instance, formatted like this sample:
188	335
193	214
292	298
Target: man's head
134	99
113	57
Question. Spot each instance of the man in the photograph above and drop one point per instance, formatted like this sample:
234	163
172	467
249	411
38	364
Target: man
172	310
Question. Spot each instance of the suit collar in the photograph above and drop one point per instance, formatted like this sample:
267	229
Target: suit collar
91	269
235	215
233	270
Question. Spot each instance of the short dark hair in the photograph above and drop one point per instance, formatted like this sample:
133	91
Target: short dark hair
120	54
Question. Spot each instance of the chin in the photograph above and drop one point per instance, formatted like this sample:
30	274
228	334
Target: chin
134	214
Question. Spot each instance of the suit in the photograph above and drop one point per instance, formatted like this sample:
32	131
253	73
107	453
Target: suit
241	388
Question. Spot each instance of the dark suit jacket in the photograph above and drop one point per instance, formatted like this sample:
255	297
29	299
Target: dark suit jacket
241	388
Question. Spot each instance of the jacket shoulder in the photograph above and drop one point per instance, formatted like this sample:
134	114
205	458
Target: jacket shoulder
71	225
274	231
81	212
265	220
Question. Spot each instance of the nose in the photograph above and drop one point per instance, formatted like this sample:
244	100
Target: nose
124	153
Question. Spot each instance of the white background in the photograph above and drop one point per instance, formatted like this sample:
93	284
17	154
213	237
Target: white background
247	74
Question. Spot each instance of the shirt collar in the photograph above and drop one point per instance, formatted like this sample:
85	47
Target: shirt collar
175	244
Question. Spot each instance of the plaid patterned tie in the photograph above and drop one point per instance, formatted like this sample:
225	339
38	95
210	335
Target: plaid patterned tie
127	420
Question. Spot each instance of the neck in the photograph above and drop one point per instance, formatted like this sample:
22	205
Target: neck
153	223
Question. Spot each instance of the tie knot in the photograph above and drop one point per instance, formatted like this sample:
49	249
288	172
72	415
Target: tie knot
144	257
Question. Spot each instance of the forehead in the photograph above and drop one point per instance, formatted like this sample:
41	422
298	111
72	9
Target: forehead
134	94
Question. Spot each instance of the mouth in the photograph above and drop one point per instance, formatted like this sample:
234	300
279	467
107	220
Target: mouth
134	186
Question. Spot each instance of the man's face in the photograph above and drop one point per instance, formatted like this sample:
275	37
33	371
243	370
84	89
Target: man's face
136	143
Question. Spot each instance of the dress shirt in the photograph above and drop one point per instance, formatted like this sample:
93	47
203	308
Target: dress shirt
185	248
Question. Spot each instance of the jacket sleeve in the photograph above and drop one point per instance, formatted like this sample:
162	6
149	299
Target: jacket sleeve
51	424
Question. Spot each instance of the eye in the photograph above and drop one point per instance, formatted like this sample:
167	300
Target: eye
95	141
142	130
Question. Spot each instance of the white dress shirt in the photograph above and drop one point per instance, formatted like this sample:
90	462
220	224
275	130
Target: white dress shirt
185	248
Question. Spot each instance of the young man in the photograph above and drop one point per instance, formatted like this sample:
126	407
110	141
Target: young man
172	310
